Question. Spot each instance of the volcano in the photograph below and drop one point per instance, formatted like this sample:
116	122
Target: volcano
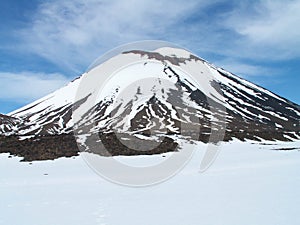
166	106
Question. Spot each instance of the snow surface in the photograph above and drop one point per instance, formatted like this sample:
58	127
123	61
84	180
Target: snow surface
249	183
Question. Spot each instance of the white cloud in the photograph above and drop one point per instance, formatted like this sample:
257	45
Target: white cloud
72	33
268	28
27	86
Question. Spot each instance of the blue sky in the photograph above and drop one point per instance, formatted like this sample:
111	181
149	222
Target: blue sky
45	44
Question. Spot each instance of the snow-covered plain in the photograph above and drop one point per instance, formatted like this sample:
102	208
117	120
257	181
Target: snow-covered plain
248	184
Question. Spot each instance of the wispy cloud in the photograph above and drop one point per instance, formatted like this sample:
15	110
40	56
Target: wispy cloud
268	28
74	32
25	86
246	70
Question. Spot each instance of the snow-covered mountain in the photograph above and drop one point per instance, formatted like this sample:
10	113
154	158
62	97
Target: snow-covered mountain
171	104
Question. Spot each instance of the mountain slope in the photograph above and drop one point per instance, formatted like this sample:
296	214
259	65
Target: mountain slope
7	123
